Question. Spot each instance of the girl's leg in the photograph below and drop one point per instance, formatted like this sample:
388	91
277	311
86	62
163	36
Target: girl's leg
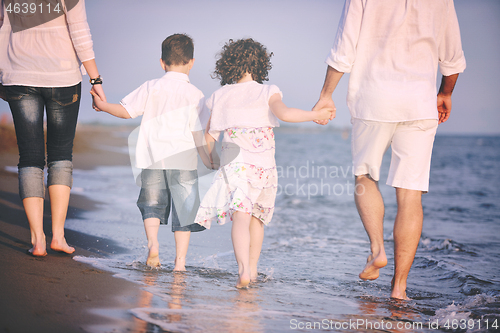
240	235
62	106
181	249
151	226
27	107
256	239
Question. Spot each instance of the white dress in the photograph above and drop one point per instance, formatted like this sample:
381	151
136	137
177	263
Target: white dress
247	179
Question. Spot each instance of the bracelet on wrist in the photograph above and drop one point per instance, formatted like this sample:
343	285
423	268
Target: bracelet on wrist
97	80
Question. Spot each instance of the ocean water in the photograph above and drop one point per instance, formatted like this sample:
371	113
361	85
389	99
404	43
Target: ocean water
315	248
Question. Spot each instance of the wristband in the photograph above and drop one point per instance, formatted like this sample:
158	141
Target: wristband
97	80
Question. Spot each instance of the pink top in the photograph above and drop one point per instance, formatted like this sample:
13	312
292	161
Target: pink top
46	55
392	49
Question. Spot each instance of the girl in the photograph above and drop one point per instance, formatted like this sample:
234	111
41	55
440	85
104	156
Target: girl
245	110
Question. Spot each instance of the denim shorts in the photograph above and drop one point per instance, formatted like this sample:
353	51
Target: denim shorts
163	191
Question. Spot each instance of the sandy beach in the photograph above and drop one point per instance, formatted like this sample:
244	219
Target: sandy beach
55	293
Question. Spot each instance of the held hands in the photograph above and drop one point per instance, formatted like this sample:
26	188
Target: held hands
324	115
98	103
325	104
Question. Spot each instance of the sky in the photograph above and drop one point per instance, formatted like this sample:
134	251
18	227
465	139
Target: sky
127	37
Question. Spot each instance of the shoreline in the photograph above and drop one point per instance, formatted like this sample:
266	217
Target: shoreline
57	293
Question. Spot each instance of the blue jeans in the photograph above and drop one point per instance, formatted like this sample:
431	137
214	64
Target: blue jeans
163	191
27	106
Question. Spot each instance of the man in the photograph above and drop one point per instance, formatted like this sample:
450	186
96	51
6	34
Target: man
392	49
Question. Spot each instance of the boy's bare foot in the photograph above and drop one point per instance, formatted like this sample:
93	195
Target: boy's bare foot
373	264
180	265
61	246
153	260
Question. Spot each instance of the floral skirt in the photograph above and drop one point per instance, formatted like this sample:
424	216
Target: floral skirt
240	187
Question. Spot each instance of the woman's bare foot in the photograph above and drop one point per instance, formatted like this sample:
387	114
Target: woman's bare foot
373	264
153	260
38	251
39	248
180	265
61	246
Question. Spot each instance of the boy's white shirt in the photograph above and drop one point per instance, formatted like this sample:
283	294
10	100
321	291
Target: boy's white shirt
172	108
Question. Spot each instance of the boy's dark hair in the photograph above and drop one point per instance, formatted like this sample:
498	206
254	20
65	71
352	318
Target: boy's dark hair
238	57
177	49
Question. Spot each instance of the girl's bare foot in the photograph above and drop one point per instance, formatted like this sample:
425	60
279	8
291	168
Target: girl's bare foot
61	246
253	276
243	280
373	264
153	260
180	265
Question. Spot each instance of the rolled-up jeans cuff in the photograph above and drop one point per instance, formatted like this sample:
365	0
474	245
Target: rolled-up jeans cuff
60	173
31	183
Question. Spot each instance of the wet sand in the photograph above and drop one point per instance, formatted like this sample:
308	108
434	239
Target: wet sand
56	293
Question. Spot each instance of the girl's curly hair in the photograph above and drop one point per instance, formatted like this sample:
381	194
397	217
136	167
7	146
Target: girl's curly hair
238	57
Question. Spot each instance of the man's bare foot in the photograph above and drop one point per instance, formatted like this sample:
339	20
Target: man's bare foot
153	260
373	264
399	295
180	265
61	246
38	251
399	291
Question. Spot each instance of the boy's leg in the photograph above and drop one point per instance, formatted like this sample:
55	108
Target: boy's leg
183	186
240	235
151	226
256	239
181	249
153	202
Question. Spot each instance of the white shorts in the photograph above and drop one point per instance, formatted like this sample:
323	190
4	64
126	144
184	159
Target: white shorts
411	143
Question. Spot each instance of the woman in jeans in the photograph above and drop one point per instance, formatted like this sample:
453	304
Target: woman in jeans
40	55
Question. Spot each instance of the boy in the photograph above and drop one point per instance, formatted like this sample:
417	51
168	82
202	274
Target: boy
172	110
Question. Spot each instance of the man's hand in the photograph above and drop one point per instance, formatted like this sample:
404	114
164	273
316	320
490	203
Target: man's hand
444	97
325	103
444	107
